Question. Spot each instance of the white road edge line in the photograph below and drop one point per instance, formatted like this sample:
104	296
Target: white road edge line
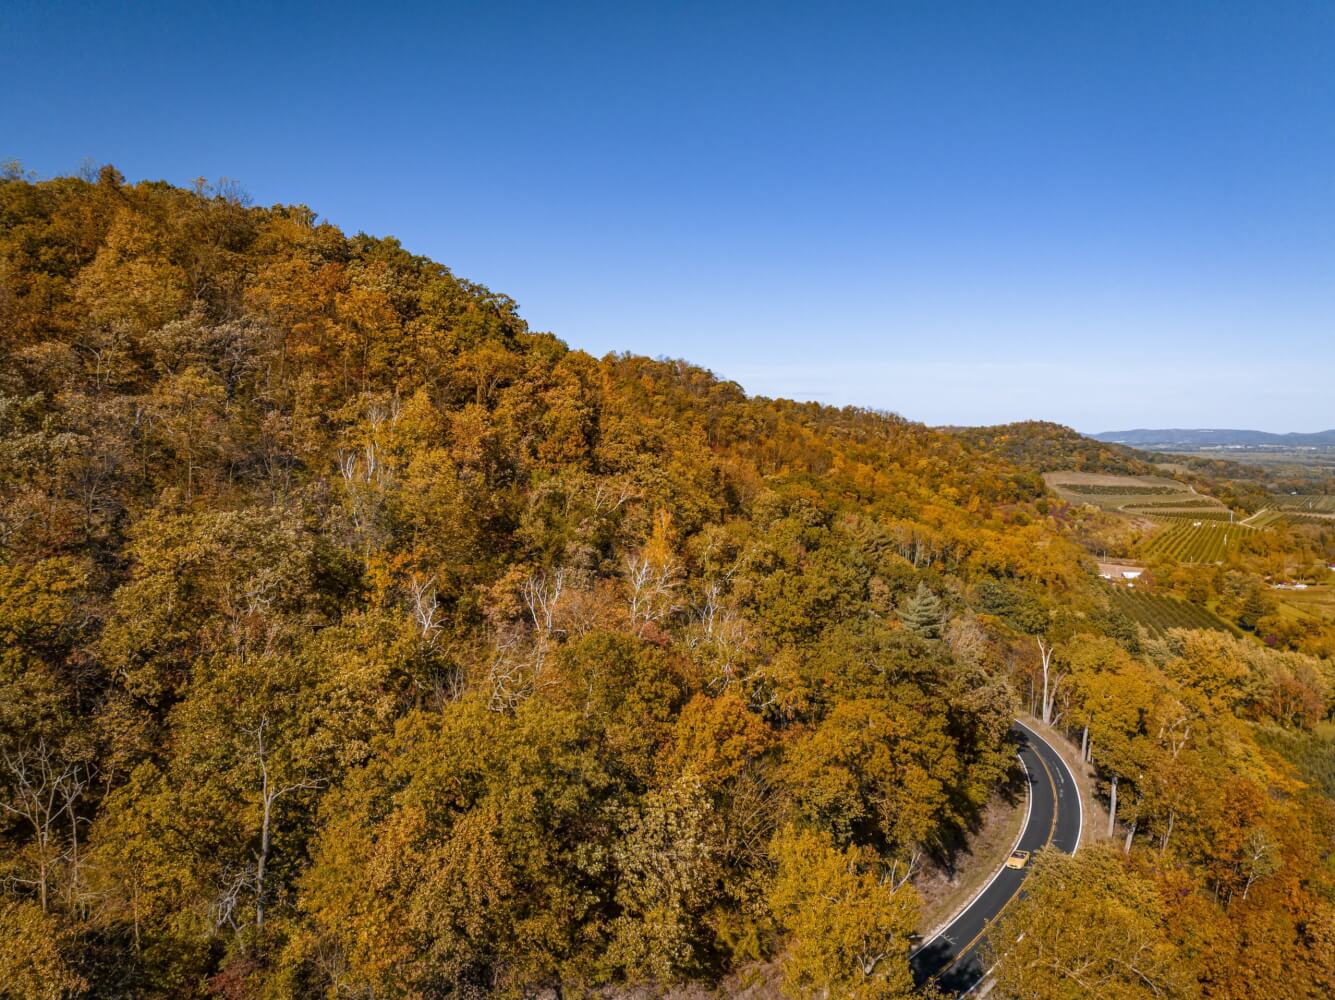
981	979
1028	809
1079	832
1079	796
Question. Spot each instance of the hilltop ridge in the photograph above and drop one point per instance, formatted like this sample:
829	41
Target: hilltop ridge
358	640
1201	438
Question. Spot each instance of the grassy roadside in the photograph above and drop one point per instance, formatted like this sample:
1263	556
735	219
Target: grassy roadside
945	891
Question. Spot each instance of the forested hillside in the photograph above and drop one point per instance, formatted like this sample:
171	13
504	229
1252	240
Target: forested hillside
358	641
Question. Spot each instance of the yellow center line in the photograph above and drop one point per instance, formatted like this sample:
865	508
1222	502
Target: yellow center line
1052	826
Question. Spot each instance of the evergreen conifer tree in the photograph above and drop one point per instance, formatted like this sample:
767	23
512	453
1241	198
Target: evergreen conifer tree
922	613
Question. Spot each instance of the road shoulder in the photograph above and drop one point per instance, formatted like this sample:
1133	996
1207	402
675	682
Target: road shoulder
1095	816
986	852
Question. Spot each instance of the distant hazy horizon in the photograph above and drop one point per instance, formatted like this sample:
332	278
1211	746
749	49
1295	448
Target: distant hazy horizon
1104	216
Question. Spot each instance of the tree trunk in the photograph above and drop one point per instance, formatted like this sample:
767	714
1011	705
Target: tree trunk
41	879
1163	846
263	859
1084	743
1112	807
74	854
1045	651
1130	836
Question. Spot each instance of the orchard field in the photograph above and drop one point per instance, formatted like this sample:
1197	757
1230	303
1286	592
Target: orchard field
1194	540
1274	515
1159	614
1184	513
1316	503
1142	496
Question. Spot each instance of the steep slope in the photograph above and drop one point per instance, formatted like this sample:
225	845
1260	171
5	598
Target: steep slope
371	643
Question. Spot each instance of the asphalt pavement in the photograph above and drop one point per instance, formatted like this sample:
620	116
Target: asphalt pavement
954	957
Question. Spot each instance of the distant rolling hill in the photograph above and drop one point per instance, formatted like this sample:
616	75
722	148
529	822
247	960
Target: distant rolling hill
1201	438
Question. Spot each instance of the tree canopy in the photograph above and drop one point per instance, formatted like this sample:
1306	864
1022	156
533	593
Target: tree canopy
357	640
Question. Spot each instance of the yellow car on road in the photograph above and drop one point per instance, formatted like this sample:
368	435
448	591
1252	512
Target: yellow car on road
1018	859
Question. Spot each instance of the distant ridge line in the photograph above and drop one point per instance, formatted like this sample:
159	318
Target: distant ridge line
1203	437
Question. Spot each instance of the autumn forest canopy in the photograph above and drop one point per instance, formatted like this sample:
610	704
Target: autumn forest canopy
358	641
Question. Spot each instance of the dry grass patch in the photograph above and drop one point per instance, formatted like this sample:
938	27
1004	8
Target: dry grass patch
946	890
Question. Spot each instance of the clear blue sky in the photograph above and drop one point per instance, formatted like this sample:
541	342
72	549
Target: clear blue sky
1107	214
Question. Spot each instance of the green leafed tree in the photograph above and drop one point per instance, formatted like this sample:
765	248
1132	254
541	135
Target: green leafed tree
922	613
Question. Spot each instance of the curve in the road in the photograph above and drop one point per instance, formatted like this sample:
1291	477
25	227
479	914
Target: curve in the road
953	958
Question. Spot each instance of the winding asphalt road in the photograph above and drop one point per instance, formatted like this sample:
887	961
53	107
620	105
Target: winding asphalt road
953	958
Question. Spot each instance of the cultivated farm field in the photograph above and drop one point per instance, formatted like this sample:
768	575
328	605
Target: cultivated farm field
1191	527
1177	515
1158	613
1180	513
1203	502
1272	515
1298	508
1317	503
1194	539
1314	602
1126	488
1133	495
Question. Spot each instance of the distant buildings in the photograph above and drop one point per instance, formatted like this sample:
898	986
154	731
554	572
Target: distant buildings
1120	572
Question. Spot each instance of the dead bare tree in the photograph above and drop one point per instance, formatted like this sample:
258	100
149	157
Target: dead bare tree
446	685
650	585
425	607
1051	682
1259	860
608	498
1174	734
753	811
541	594
44	793
271	791
719	629
516	669
895	878
250	624
226	905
